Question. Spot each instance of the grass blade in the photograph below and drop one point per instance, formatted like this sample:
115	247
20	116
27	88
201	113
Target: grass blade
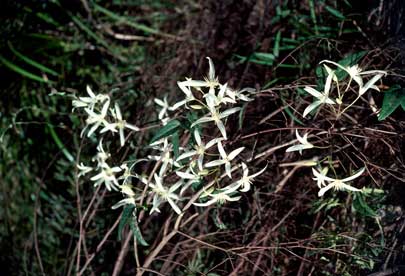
32	62
22	71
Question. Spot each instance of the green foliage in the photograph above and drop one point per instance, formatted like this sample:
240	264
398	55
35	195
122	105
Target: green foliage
393	98
167	130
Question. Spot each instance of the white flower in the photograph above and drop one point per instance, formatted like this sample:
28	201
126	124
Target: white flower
320	177
96	119
127	190
211	81
165	157
356	73
101	155
91	101
336	184
213	100
163	194
216	117
83	169
200	149
226	159
246	181
120	124
221	197
239	94
189	95
321	97
304	144
107	176
165	106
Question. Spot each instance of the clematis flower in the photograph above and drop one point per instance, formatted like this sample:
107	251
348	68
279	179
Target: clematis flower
96	119
165	107
83	169
356	73
163	194
246	181
226	159
89	102
221	197
336	184
216	117
165	157
304	144
322	97
240	94
120	124
200	149
107	176
216	100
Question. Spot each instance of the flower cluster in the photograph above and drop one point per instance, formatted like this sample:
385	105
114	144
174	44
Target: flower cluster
203	160
101	115
335	92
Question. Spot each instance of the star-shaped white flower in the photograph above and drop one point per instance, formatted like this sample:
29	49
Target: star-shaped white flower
164	105
163	194
89	102
219	197
199	149
96	119
120	124
246	181
304	144
322	97
336	184
226	158
216	117
107	176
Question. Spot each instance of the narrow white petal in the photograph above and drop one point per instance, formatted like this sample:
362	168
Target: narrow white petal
313	92
235	153
202	120
174	206
211	72
359	173
325	189
228	112
311	107
215	163
221	150
197	137
221	128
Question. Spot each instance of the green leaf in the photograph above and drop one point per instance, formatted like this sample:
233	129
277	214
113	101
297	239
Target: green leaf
167	130
176	144
126	215
137	232
22	71
276	49
335	13
361	206
32	62
393	98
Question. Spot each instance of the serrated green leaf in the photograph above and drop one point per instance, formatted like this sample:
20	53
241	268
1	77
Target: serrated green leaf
166	130
137	232
393	98
126	215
